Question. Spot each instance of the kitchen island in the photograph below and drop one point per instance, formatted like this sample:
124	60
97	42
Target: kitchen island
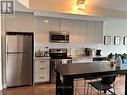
66	74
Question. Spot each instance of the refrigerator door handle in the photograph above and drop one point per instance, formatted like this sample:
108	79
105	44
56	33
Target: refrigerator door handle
7	58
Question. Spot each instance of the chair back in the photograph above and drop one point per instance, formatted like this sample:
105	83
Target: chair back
108	79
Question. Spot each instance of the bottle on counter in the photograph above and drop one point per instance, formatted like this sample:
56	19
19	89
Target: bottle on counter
46	53
39	53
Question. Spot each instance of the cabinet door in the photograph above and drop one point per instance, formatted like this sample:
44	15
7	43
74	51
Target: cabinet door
73	31
91	31
82	29
42	28
54	24
64	25
99	32
41	70
22	22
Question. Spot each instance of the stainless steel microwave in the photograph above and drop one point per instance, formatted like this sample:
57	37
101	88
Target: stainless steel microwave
59	37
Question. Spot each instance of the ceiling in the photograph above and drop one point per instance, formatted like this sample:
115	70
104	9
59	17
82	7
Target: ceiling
109	4
104	8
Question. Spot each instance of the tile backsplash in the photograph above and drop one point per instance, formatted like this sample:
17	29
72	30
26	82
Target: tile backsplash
72	48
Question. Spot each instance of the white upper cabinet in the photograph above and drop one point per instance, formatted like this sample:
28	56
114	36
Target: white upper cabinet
91	31
64	25
42	28
82	29
54	24
73	31
99	32
21	22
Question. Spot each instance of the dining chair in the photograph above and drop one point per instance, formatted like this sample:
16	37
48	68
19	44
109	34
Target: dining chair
90	79
85	79
105	84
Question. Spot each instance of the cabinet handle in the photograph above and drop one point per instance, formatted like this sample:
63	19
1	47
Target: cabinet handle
42	61
42	77
42	68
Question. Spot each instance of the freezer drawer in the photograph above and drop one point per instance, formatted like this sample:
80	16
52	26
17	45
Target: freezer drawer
19	69
11	70
25	69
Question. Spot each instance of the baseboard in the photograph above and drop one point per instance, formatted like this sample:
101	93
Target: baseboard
4	86
1	87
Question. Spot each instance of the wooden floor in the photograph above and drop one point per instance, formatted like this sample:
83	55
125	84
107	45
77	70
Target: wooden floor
49	89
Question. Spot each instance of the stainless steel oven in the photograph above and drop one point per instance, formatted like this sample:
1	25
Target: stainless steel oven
59	37
58	56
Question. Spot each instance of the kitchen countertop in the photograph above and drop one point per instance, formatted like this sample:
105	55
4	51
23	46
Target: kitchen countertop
81	57
42	58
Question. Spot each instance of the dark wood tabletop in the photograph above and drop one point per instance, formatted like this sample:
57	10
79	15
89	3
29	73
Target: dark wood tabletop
87	68
66	73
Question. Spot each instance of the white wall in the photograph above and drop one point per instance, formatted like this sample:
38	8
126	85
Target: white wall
0	55
114	28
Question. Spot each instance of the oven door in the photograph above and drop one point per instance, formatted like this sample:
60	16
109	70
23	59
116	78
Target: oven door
53	63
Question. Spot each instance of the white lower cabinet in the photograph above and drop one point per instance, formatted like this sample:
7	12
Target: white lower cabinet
41	70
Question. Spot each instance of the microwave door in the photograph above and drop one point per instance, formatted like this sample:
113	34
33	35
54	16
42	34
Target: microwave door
58	38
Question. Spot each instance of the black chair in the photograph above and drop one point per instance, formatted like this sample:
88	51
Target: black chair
105	84
89	79
86	78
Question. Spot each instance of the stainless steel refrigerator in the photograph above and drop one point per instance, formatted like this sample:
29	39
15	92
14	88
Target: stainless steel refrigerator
19	59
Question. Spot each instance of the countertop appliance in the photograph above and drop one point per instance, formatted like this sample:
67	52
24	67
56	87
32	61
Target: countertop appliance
88	52
98	52
58	56
59	37
19	59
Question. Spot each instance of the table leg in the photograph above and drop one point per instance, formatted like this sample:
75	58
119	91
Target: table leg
125	84
68	85
58	85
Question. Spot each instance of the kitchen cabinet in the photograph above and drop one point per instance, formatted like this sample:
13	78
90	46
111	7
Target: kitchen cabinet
54	24
99	32
73	30
21	22
95	32
85	32
64	25
41	70
82	29
91	31
42	28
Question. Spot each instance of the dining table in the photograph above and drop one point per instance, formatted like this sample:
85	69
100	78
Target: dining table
67	73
